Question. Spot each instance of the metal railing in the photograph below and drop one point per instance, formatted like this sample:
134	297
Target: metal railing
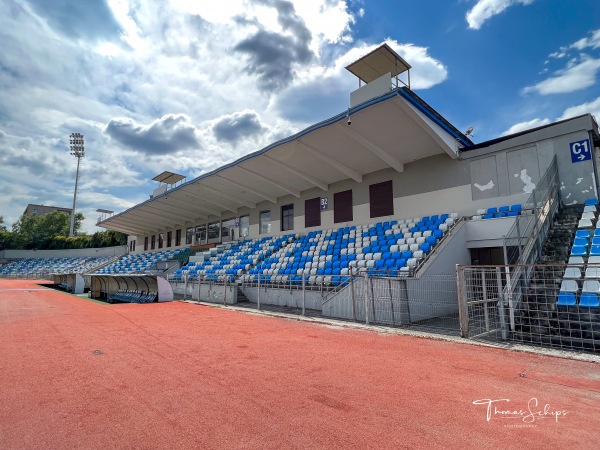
524	242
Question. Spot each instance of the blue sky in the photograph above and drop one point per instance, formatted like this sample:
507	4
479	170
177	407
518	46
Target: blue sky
187	86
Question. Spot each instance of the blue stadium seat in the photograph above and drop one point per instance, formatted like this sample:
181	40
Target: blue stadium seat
582	234
589	300
579	250
595	250
566	299
591	201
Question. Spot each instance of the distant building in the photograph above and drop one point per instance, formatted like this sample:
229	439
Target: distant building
33	210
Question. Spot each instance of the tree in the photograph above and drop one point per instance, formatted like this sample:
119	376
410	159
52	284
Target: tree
2	226
6	240
51	232
39	231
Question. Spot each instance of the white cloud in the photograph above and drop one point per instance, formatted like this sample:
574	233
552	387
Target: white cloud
592	41
163	80
522	126
575	77
486	9
592	107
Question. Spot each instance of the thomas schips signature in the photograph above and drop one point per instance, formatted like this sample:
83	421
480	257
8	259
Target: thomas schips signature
534	411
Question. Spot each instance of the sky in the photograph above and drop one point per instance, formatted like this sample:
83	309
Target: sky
187	86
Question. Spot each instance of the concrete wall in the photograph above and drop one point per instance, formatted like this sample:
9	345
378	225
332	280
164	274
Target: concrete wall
72	253
452	251
215	293
515	166
487	233
375	88
292	298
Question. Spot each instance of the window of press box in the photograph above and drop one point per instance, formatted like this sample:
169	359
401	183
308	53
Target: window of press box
265	222
244	227
201	234
287	217
213	231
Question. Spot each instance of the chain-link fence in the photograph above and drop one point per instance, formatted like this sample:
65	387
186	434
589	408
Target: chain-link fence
393	299
426	302
548	305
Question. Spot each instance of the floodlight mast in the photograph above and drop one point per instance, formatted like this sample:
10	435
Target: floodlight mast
77	150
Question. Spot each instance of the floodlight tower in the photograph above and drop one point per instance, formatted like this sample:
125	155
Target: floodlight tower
77	150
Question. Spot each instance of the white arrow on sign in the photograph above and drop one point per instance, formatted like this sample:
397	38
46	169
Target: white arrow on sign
581	157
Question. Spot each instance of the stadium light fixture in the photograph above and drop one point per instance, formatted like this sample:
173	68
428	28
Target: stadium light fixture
77	150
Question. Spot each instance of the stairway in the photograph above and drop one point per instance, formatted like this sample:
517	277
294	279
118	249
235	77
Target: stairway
241	297
560	237
537	319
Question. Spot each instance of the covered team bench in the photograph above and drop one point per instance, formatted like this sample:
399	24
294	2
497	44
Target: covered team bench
70	282
131	288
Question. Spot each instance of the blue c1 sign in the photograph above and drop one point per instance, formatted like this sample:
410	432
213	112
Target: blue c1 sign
580	151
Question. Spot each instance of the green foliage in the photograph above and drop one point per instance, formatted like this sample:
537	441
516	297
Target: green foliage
6	240
2	226
51	232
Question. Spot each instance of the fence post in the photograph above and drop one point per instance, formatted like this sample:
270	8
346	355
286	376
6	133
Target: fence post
352	293
225	291
501	313
391	300
486	314
303	295
366	299
258	294
463	307
185	280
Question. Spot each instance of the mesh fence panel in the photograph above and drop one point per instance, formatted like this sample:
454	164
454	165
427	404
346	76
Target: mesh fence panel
520	304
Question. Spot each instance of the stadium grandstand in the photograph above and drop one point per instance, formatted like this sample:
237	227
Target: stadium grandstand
387	213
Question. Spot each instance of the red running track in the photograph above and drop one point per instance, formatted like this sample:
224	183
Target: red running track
78	374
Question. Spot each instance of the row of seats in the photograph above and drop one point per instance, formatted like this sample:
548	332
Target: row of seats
228	262
497	212
23	267
139	262
133	296
330	256
581	279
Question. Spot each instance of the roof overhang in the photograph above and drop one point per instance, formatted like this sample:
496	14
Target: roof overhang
390	131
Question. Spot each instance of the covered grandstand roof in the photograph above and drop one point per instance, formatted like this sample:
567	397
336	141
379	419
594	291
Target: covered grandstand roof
387	132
